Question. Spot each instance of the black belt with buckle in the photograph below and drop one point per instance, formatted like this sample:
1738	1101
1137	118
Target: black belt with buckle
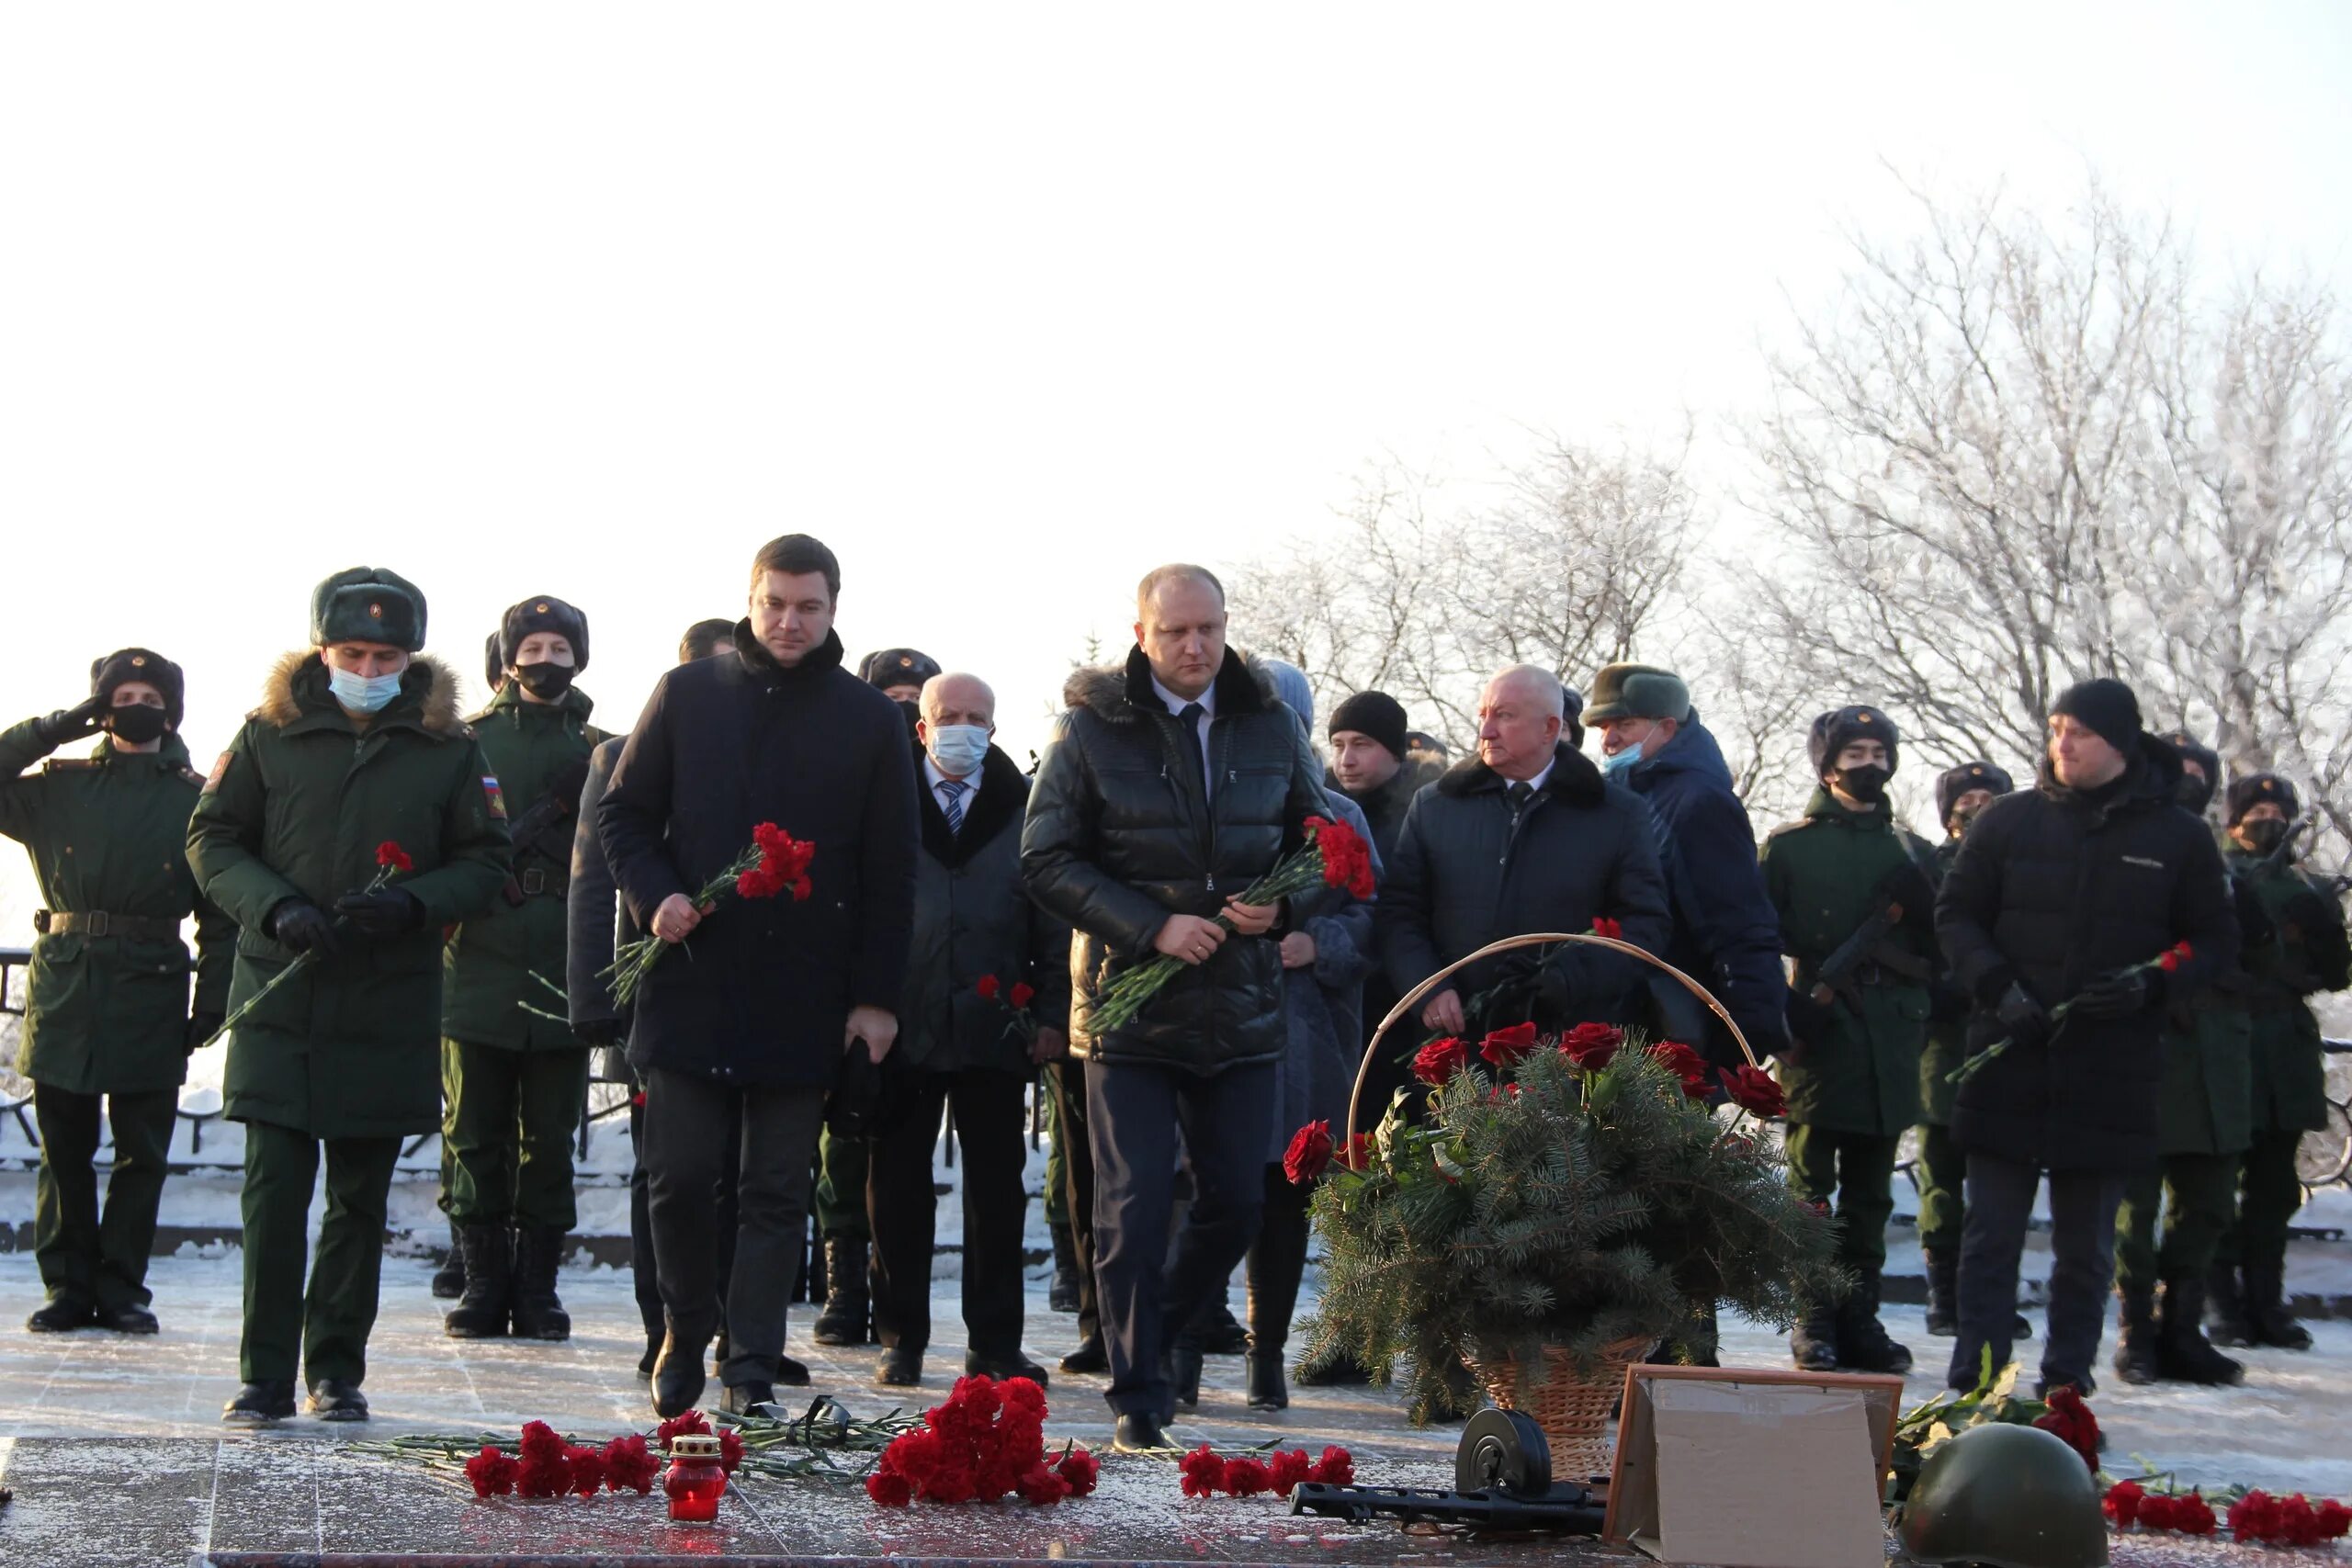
99	922
537	881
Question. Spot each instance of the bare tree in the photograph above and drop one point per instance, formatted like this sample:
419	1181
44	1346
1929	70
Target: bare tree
1424	600
2011	457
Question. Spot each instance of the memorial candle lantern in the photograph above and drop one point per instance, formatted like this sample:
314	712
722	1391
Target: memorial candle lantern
697	1479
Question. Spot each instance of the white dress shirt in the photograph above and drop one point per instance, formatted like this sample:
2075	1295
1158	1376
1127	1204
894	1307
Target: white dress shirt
935	778
1176	705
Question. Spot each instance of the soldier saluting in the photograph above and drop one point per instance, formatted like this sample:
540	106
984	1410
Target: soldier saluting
108	1010
356	745
515	1075
1857	914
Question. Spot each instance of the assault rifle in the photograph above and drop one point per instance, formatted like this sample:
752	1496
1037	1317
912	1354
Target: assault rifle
1869	944
559	804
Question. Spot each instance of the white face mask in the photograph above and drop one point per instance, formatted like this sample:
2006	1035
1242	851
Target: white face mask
959	748
363	693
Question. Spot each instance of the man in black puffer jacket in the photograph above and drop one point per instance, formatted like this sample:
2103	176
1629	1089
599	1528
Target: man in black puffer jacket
2067	893
1168	787
1524	838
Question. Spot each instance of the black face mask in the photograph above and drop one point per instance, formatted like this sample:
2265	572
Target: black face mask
2193	793
544	681
137	724
2265	835
1866	784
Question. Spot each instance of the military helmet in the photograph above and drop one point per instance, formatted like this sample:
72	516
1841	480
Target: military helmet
2007	1497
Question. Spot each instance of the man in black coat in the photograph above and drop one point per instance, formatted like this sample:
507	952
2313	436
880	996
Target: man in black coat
1526	837
750	1030
987	960
2068	895
596	925
1168	787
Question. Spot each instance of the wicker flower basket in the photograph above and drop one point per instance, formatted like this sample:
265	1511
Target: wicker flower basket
1576	1413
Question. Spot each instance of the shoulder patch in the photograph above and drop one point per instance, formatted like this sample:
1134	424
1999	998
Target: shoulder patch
496	796
219	766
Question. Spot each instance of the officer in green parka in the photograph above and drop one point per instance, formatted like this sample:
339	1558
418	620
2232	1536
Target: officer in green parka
2307	952
2202	1128
515	1075
350	820
1856	914
109	1012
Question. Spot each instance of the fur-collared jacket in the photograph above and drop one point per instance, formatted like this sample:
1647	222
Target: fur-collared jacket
296	808
1469	870
1123	832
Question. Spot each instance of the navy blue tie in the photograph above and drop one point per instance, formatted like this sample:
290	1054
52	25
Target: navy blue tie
954	790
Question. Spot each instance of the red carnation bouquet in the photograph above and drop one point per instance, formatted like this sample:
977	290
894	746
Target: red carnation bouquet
1334	855
776	863
985	1441
391	860
2169	961
1016	998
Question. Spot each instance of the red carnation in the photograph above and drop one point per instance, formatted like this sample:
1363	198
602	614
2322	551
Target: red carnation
1202	1471
1590	1046
1023	993
1613	930
1287	1469
987	988
731	1449
1080	1471
1347	862
1754	1090
1686	1065
587	1468
2335	1520
1247	1477
2121	1504
1042	1488
801	888
1309	1153
491	1472
1505	1046
546	1469
1336	1468
2072	1420
391	857
691	1422
890	1489
630	1465
1437	1062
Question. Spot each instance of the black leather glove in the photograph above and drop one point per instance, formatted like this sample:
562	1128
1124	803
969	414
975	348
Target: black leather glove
2119	995
598	1032
2026	1020
69	724
857	1090
302	925
202	1027
2307	911
1808	1020
388	911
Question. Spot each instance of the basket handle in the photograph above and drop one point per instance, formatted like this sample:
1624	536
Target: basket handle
1411	999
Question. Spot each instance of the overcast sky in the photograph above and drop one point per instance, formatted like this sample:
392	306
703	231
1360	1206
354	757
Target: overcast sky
1005	303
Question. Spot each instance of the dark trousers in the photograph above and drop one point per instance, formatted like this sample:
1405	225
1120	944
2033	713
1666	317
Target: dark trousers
507	1123
686	1123
2270	1193
2194	1192
98	1258
1942	1170
1278	1261
1134	1112
322	1330
904	1205
2082	1244
645	1274
1067	1078
1860	1170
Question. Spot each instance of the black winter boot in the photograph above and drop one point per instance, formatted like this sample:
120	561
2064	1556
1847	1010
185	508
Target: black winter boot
678	1377
2136	1361
450	1279
2226	1307
1813	1345
2266	1310
1063	1296
537	1313
1863	1344
2183	1353
843	1321
488	1270
1943	1292
1275	1264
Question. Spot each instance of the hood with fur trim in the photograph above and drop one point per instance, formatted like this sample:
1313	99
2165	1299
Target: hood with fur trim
282	704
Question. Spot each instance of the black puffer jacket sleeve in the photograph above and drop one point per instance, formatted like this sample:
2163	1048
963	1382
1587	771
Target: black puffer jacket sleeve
1061	852
591	902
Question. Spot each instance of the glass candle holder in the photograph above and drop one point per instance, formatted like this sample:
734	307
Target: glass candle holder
696	1479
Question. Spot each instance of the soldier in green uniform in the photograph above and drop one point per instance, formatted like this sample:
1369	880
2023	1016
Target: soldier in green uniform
354	760
2202	1128
108	1012
515	1075
1942	1170
1857	914
2307	951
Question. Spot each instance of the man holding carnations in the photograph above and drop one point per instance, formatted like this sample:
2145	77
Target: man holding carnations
2074	895
351	819
987	1001
749	1028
